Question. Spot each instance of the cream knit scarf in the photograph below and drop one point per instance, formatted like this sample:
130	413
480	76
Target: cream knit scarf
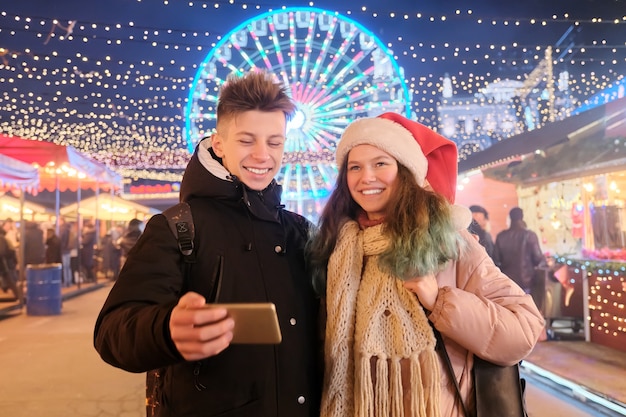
380	357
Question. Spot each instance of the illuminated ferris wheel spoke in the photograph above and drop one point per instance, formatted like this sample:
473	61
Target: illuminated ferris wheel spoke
296	143
322	138
327	174
313	87
357	97
245	56
341	51
261	50
339	80
329	128
312	180
299	179
279	54
287	173
343	91
343	86
293	52
307	50
336	71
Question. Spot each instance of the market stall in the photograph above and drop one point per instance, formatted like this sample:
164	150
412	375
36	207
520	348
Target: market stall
106	207
16	209
17	175
570	180
61	168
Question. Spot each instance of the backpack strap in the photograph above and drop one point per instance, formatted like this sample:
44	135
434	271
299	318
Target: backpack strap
180	220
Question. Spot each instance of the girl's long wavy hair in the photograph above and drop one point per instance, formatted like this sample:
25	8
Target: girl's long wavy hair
418	223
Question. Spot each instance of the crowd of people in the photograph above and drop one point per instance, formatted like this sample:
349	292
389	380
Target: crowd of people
83	255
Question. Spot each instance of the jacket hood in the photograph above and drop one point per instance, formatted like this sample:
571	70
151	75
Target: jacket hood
206	177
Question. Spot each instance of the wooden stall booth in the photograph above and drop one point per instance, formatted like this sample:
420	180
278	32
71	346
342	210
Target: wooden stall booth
570	179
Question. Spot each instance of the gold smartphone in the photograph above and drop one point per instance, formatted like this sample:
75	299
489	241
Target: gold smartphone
255	323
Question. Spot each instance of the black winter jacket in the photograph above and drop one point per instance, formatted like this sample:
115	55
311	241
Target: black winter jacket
517	253
256	248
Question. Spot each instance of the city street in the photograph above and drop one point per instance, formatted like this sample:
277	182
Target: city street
49	367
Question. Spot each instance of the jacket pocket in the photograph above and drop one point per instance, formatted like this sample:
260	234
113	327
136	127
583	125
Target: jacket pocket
215	283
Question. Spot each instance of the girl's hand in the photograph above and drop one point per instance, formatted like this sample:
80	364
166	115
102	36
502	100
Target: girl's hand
426	289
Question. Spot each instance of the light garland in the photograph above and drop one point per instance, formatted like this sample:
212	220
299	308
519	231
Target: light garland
117	89
607	298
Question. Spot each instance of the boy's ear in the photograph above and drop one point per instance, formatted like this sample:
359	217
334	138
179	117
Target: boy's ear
217	145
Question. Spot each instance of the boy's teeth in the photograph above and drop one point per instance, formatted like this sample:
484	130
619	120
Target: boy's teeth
258	171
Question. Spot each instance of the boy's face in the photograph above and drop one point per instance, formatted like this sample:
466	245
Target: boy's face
251	145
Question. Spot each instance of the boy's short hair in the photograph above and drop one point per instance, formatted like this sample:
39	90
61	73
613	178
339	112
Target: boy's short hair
255	90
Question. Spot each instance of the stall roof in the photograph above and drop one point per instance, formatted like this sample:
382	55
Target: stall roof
108	207
58	165
606	118
18	174
10	207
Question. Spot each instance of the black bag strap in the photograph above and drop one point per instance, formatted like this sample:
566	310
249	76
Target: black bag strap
444	354
180	220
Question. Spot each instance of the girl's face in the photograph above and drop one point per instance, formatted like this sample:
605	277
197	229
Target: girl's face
372	177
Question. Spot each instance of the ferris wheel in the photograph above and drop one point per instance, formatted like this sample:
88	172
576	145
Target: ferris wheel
336	71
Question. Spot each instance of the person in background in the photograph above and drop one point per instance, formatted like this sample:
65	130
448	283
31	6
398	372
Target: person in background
53	247
248	248
480	227
87	251
111	252
34	244
8	265
12	236
517	251
392	258
65	238
74	249
12	232
129	238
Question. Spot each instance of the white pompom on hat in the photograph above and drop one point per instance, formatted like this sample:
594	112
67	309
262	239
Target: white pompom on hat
429	156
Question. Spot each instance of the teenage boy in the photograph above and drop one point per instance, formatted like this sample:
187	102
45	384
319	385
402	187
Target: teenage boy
249	248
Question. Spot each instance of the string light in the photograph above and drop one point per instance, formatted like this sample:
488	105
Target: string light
117	90
125	73
91	61
606	300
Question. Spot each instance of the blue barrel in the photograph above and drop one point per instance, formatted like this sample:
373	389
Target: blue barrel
43	289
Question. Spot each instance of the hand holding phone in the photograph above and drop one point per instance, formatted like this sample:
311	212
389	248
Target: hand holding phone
197	332
255	323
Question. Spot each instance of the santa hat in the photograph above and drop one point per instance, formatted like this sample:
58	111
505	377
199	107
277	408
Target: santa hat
429	156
